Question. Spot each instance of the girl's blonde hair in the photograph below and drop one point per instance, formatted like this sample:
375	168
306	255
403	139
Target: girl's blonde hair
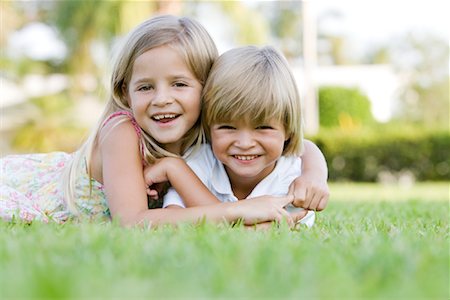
192	42
256	85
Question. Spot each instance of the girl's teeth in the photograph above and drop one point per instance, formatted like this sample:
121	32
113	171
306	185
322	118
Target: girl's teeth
160	117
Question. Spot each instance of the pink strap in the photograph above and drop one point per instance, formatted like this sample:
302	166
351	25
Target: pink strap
136	127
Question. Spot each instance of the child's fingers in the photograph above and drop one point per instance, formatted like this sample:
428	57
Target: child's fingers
297	215
259	226
322	203
299	193
309	196
152	192
284	215
316	200
284	200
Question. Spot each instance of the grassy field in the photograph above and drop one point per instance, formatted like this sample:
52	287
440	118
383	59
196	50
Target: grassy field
372	242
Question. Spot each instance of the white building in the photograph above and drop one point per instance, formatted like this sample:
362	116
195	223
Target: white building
379	82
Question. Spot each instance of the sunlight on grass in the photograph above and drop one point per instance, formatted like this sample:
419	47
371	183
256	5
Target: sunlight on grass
356	250
390	192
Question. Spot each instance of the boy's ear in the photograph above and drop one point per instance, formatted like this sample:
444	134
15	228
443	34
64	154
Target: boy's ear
286	142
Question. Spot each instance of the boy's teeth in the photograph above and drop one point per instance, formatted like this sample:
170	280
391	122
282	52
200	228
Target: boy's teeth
246	157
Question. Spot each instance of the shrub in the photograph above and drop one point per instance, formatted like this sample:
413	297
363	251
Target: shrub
343	107
364	155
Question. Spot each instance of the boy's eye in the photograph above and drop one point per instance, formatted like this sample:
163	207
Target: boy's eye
225	127
264	127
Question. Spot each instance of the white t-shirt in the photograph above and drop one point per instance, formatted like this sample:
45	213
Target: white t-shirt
213	175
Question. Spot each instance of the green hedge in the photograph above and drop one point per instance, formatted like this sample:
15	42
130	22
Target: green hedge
343	107
363	156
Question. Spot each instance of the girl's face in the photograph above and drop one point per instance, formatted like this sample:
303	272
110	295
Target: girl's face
164	96
248	152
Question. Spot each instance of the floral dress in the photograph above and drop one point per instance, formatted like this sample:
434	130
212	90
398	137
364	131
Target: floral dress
31	188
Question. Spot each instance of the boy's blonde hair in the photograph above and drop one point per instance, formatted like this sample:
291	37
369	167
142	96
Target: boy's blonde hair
193	43
256	85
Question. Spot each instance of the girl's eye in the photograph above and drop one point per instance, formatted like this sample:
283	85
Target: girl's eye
180	84
144	88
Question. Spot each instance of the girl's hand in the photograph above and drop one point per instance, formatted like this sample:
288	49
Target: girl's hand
296	217
311	189
260	226
309	193
157	175
156	172
264	209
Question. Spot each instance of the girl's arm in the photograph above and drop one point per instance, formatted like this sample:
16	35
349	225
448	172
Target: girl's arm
310	190
193	192
124	185
188	186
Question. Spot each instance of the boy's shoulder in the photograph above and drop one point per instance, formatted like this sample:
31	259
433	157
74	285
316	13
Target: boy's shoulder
202	152
289	164
201	156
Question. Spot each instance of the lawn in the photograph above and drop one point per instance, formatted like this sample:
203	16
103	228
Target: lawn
372	242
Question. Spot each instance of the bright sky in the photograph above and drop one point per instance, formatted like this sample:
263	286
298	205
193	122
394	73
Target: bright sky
367	21
380	19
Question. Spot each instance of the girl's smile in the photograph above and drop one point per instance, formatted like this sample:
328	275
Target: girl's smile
164	96
164	118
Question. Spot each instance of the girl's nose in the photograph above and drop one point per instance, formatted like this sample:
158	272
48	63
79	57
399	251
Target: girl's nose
162	97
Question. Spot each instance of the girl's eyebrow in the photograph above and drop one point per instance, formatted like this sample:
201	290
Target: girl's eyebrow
141	80
172	77
183	76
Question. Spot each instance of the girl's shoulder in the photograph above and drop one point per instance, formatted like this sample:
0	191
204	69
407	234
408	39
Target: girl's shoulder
122	116
121	123
119	129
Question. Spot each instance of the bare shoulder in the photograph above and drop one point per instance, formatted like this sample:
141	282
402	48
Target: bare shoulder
117	138
117	131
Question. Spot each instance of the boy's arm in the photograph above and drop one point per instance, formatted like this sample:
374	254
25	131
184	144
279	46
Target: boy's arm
310	190
188	186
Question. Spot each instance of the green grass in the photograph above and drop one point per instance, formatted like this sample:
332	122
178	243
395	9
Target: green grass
370	243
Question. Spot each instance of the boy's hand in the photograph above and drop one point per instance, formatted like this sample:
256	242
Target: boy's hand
309	194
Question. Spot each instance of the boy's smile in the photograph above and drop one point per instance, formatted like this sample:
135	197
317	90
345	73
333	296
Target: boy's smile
248	152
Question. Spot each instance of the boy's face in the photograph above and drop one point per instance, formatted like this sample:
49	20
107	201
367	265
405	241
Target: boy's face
164	96
248	152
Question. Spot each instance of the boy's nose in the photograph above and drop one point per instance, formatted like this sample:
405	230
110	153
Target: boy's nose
245	139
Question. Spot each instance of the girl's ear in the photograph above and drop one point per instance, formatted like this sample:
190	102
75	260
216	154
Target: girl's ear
125	93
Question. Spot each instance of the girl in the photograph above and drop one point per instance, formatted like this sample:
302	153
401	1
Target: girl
252	118
152	112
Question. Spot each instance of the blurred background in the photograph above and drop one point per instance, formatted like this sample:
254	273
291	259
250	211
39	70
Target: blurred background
374	74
